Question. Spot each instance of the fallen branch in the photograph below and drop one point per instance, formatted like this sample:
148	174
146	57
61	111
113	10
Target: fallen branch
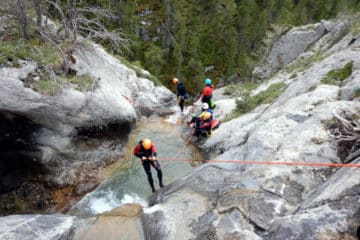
347	136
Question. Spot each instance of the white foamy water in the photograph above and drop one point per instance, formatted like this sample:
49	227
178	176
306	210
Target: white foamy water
109	202
178	115
133	198
105	203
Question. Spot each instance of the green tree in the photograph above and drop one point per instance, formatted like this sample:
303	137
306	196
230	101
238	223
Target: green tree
154	60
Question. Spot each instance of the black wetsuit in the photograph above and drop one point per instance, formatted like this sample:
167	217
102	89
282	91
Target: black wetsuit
140	152
182	94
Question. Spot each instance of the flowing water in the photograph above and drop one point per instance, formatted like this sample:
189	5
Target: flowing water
126	180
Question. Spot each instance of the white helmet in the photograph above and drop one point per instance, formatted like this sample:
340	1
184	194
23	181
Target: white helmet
205	106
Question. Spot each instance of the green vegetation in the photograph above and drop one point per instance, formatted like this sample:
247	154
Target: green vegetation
52	87
303	64
356	93
47	87
14	49
336	77
294	75
248	102
355	28
49	59
239	89
181	38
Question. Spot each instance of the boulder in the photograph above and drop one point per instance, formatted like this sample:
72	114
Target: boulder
72	134
289	47
351	86
251	201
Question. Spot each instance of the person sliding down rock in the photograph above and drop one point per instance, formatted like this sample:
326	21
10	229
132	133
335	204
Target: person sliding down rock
146	151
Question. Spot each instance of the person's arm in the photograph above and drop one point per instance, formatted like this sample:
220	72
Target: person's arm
178	90
137	151
153	152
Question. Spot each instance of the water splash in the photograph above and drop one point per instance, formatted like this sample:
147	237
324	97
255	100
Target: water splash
106	203
128	182
109	201
178	116
134	198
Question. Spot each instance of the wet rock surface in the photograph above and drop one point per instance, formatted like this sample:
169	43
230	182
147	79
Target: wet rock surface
66	139
122	222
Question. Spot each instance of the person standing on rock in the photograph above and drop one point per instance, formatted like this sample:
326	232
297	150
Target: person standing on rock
181	93
206	96
146	151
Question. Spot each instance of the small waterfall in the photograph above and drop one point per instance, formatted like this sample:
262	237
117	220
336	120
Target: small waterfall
127	181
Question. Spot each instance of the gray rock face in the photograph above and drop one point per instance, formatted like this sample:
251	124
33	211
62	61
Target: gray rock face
32	227
331	211
350	87
268	201
288	47
75	133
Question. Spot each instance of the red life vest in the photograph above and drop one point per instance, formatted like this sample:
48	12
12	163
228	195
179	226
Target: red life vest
208	90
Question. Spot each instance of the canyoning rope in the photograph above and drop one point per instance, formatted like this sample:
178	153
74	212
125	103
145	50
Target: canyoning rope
248	162
245	162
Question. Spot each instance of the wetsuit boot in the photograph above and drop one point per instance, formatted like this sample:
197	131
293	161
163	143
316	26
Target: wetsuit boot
159	172
151	182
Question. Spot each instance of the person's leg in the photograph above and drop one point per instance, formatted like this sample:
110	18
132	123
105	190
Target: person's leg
203	132
181	104
146	165
157	166
206	99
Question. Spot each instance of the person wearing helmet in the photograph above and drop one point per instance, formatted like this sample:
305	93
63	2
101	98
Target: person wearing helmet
205	119
202	123
205	108
207	92
181	93
146	151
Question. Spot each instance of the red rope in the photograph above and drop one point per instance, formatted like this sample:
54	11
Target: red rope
310	164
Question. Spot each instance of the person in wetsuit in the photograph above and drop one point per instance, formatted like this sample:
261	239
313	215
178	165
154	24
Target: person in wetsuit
146	151
181	93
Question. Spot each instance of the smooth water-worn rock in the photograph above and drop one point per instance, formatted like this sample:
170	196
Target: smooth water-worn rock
330	211
72	135
120	223
269	201
33	227
288	47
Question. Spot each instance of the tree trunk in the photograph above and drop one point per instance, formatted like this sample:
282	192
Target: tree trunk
38	12
22	18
